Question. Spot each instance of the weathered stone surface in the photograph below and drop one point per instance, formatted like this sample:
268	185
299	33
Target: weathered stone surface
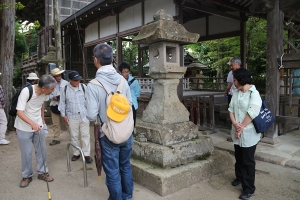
167	134
164	28
164	61
50	57
165	107
172	155
167	181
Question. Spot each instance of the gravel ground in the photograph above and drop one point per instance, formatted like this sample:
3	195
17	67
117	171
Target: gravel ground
272	181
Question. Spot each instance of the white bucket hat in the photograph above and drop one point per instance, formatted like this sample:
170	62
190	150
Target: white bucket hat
32	76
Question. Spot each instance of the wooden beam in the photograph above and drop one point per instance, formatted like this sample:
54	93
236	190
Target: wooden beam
210	11
219	36
230	5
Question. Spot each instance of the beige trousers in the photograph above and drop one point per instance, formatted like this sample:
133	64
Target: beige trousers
56	125
3	124
81	129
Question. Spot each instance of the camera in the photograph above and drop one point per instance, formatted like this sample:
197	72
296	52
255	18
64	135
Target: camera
58	97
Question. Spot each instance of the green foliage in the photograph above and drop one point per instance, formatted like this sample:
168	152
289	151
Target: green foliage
33	39
216	53
17	6
20	43
17	78
130	55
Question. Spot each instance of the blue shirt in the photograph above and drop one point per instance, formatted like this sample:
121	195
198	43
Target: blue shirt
135	91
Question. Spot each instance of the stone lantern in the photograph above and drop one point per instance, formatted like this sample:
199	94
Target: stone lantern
168	152
165	120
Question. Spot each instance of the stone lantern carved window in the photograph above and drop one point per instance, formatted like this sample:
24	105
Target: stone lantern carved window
171	54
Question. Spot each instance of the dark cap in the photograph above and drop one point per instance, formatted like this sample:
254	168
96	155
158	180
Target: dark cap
74	76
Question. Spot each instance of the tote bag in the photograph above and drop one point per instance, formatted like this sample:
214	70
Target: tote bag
264	119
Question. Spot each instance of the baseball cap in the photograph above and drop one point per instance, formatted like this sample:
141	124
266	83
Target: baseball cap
118	108
74	76
229	62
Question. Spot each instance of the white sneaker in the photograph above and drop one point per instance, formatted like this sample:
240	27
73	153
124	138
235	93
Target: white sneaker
4	141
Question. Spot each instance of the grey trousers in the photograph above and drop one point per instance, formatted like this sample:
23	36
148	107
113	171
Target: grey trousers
26	139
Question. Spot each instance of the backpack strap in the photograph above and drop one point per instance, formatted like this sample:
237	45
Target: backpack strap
121	85
98	83
65	90
130	82
30	91
82	86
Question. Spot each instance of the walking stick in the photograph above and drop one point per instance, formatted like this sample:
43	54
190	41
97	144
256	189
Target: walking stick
49	195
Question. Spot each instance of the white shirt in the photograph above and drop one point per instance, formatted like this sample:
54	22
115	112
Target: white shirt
58	88
230	80
32	109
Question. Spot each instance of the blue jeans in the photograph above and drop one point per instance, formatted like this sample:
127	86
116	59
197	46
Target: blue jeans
117	167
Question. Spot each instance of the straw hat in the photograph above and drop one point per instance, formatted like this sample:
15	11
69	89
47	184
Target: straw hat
56	71
32	76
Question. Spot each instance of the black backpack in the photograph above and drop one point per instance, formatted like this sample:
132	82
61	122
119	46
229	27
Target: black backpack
14	102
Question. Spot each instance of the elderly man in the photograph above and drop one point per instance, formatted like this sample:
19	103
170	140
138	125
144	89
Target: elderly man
31	79
54	97
115	157
72	109
234	63
28	124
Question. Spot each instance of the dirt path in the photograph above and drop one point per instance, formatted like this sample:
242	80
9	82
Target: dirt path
272	181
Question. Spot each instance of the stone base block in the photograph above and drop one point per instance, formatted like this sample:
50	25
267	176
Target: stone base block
168	181
172	155
167	134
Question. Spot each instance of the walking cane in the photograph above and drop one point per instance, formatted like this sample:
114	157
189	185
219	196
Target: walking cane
49	195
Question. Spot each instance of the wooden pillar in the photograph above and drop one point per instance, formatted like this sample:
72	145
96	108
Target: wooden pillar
243	39
274	48
119	50
140	65
57	29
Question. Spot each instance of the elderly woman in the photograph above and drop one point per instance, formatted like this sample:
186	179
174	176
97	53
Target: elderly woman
244	106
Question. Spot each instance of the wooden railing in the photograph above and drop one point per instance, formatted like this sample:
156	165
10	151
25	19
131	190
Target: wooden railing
29	60
201	108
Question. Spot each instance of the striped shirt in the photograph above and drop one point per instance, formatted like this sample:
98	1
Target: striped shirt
72	102
2	98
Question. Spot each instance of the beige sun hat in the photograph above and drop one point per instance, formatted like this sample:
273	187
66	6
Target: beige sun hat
32	76
56	71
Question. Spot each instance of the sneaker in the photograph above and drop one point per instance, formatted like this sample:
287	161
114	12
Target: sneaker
236	182
88	159
54	142
74	157
246	196
25	182
4	141
45	177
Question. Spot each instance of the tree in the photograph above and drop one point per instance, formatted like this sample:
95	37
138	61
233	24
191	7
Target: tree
20	43
7	39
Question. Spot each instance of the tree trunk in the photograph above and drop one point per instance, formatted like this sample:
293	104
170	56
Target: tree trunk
7	41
